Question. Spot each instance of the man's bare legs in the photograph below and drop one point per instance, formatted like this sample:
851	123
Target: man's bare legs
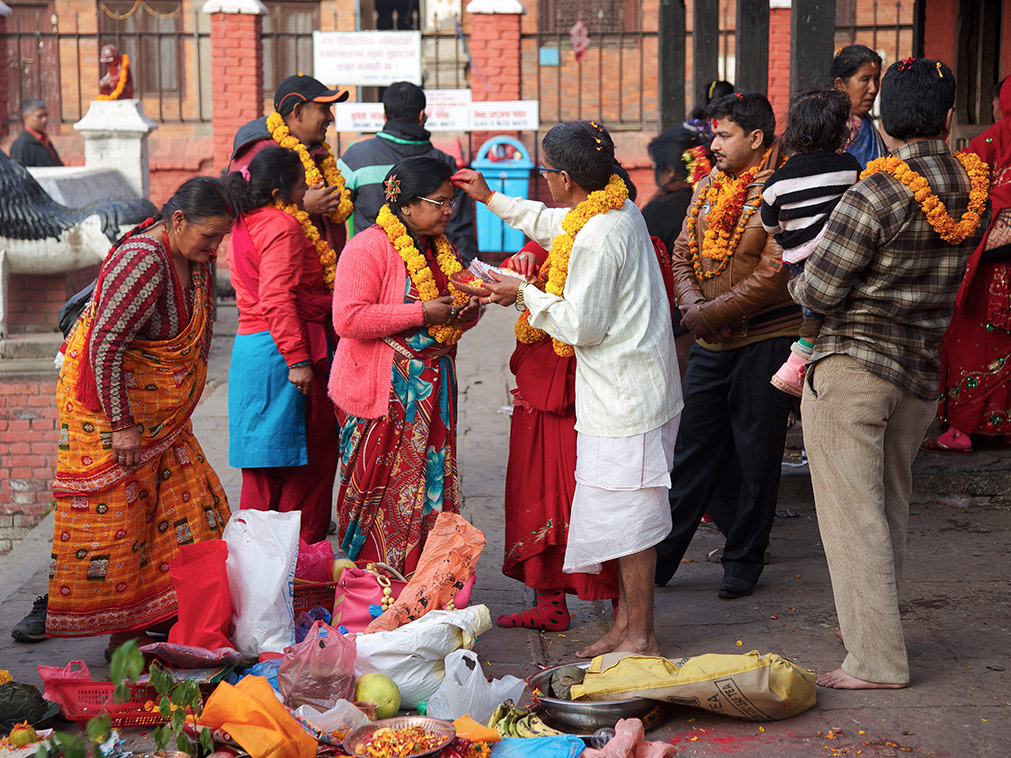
632	631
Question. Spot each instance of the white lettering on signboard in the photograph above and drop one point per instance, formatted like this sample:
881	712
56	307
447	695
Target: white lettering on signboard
366	59
448	111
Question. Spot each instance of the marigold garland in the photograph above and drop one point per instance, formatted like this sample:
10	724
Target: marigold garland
417	268
950	231
121	82
727	219
556	269
326	171
325	253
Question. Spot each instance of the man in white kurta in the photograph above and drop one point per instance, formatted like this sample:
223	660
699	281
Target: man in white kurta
616	315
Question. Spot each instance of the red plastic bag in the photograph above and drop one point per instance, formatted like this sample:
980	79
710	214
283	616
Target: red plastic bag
318	671
315	562
205	602
54	676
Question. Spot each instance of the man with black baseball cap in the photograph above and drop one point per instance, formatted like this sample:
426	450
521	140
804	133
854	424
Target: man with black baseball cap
306	106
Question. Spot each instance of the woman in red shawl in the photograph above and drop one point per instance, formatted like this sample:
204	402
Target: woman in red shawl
976	353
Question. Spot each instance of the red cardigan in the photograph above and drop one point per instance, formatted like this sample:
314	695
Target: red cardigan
279	284
368	305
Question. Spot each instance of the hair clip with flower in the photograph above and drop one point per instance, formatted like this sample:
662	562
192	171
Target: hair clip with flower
392	188
905	65
940	74
712	89
739	95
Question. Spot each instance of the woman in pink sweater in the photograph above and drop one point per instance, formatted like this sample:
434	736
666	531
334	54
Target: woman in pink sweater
393	379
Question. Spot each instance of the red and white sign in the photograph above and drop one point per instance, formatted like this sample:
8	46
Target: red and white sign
505	115
449	110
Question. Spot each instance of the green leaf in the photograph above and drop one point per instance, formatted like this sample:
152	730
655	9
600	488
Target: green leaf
206	741
178	720
162	735
98	728
185	744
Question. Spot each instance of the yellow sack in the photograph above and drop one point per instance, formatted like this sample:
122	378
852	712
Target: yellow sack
750	686
255	718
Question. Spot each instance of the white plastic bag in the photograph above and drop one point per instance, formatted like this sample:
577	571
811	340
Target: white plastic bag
262	551
412	655
465	690
343	715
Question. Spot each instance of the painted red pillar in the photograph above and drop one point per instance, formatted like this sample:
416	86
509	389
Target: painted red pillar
237	70
495	49
779	60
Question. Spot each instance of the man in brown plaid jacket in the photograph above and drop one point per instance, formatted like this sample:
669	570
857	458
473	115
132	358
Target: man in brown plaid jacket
886	282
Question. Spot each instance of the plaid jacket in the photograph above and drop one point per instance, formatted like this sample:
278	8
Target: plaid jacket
884	279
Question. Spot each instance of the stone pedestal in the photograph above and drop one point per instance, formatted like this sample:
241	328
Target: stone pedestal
115	136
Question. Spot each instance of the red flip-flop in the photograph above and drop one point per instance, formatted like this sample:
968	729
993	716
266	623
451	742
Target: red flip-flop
935	445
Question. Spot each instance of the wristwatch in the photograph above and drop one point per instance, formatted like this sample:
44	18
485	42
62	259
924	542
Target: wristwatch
520	305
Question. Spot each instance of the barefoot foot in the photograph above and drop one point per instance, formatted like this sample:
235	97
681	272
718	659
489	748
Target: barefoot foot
604	645
840	680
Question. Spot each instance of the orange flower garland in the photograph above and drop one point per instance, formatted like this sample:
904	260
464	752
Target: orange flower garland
727	219
325	253
951	231
417	268
556	269
121	82
326	172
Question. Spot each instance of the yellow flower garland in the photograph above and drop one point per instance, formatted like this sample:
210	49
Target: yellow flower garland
951	231
121	82
326	172
325	253
417	268
612	197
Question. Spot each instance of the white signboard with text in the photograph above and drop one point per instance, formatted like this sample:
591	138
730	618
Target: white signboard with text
366	59
448	110
505	115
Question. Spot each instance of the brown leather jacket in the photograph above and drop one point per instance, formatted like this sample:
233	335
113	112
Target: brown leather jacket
753	284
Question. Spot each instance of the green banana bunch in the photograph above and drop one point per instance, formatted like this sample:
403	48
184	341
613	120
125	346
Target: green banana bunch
512	721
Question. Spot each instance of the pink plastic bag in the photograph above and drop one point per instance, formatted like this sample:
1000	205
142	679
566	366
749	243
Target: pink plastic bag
315	562
318	671
54	676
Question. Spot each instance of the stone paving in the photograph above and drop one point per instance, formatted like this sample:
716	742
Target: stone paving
955	597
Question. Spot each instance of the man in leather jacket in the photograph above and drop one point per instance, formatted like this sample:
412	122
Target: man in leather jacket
730	286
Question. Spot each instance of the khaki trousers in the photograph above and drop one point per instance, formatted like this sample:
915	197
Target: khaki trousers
862	433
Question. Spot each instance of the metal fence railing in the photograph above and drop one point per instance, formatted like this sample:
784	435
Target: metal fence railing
62	68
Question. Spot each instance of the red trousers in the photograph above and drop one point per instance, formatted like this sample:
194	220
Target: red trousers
308	488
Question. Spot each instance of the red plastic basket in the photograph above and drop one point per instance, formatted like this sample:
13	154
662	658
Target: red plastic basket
308	596
83	700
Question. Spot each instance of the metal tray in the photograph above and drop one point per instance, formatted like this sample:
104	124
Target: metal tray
585	716
358	736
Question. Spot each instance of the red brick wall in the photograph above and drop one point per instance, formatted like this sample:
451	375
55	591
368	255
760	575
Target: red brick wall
33	300
27	451
236	51
495	53
779	64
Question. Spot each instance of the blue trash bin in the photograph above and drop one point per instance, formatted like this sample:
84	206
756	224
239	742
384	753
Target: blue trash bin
511	176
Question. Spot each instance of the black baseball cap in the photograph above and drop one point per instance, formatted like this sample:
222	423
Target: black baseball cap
301	89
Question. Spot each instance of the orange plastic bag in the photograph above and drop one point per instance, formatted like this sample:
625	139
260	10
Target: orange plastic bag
252	714
447	561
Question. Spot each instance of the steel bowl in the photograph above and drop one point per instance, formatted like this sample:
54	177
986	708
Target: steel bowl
358	736
585	715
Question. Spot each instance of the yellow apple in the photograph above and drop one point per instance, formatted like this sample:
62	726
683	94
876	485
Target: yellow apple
381	690
339	565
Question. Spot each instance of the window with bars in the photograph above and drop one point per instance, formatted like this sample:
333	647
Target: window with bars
287	40
600	16
150	32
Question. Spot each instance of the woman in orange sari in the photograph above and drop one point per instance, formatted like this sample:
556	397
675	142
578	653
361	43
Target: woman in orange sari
132	483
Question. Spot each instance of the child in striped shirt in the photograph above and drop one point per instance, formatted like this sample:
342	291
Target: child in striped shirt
799	197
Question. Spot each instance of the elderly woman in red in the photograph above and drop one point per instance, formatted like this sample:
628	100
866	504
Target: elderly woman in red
282	430
393	380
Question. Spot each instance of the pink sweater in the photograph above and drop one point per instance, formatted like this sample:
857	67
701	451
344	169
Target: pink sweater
368	305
